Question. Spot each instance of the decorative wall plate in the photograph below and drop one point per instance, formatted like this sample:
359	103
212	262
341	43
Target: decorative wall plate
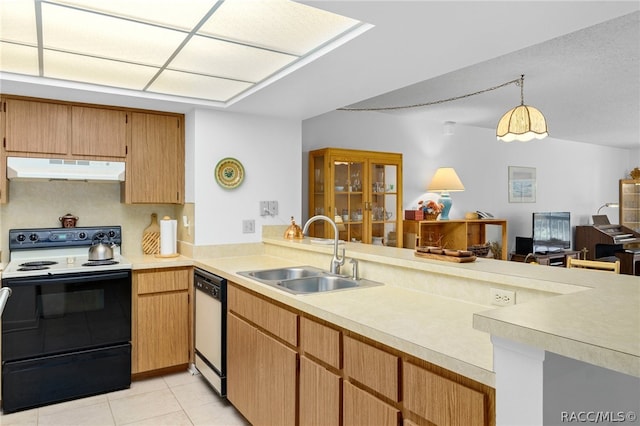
229	173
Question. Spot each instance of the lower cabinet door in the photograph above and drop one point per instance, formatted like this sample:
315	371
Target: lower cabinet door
319	395
276	370
162	330
363	409
440	400
261	375
242	381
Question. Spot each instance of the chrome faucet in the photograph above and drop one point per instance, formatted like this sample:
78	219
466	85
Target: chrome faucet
336	261
354	269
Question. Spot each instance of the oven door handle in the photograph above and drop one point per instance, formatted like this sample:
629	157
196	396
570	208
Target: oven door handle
65	279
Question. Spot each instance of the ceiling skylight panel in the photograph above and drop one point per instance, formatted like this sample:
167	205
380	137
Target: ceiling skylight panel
229	60
18	59
281	25
102	36
170	13
197	86
92	70
18	21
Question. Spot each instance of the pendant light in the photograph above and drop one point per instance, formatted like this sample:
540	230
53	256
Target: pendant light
522	123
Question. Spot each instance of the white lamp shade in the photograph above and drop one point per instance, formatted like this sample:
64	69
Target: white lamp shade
445	180
522	123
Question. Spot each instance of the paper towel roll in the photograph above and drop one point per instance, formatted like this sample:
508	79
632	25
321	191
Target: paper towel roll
168	239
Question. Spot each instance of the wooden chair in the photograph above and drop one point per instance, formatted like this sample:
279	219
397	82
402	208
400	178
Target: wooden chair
594	264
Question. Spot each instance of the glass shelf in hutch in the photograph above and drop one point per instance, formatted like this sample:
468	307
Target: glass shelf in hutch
361	191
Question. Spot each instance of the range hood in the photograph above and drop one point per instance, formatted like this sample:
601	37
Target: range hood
20	168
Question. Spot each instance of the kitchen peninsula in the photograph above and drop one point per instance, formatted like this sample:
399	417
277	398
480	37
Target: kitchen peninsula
427	310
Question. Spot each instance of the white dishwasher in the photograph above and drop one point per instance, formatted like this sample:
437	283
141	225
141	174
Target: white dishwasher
211	328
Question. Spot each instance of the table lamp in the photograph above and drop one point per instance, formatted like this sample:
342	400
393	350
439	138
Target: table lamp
445	181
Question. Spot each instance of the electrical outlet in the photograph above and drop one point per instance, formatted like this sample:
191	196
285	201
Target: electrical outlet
248	226
501	297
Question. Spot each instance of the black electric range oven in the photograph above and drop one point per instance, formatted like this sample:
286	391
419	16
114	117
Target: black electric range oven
66	329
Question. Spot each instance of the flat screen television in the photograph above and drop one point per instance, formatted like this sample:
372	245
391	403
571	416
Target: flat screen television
551	231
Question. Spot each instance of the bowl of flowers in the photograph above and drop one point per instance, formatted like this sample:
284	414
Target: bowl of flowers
431	209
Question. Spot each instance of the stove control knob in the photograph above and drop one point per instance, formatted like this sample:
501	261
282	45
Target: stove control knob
82	235
21	238
111	234
33	237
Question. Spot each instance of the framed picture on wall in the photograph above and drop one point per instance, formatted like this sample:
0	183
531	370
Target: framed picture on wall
522	184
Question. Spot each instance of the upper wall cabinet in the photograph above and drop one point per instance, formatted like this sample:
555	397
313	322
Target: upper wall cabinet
98	132
155	169
36	127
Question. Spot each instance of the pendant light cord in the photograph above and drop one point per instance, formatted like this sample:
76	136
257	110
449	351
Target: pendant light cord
518	82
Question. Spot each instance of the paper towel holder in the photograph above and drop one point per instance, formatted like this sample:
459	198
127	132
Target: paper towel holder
169	255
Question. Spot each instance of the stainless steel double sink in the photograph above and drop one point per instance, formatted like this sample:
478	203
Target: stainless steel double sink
306	280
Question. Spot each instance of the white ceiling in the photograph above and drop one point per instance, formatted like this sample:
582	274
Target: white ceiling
581	71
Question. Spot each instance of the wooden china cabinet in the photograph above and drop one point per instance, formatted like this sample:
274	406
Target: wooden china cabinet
630	203
361	191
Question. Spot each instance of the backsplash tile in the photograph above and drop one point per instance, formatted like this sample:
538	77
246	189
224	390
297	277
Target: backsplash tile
37	204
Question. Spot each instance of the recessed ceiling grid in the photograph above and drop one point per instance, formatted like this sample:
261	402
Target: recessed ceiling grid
205	49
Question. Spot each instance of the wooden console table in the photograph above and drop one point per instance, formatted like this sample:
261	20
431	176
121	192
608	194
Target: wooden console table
452	234
549	259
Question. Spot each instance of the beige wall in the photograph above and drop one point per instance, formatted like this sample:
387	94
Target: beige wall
39	204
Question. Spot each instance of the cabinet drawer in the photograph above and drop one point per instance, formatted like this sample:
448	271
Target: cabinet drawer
320	341
440	400
362	408
372	367
162	280
277	321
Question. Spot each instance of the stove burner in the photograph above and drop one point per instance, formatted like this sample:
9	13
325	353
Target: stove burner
100	263
37	263
33	267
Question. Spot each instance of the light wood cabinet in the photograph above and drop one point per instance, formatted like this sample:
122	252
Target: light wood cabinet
150	143
373	367
320	391
261	370
155	167
99	132
630	203
40	128
161	319
454	234
363	409
331	376
36	127
440	400
362	190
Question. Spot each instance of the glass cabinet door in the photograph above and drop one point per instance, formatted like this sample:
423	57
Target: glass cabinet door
384	204
361	191
349	199
630	204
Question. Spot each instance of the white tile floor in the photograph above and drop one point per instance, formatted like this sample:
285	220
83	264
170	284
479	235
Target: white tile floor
179	399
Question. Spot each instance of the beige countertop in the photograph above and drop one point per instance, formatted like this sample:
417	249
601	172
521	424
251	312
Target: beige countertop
434	310
437	329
